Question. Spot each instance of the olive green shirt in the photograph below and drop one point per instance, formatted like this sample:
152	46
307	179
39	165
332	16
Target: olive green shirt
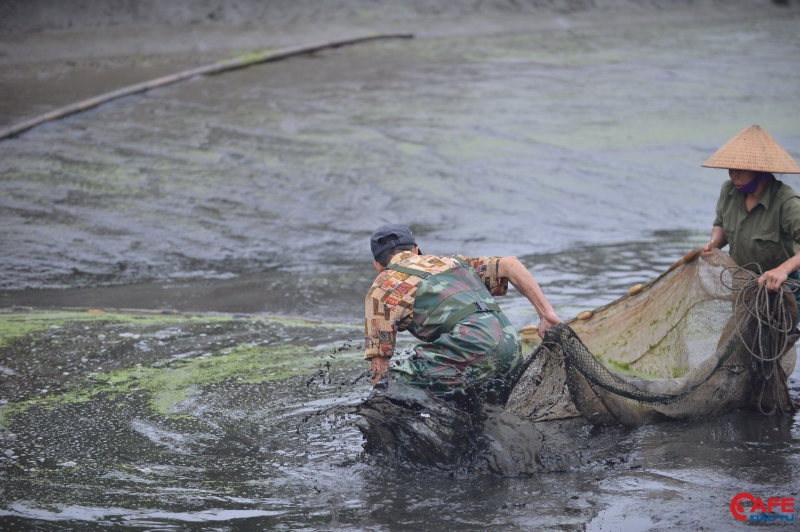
769	234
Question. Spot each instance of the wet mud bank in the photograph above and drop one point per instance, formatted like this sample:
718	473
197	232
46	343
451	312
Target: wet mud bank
53	54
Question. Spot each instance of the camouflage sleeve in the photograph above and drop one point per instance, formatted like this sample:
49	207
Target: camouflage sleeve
388	308
380	333
488	268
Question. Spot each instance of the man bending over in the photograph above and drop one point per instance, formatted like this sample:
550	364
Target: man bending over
468	347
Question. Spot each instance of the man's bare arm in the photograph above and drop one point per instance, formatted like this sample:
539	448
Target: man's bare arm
519	276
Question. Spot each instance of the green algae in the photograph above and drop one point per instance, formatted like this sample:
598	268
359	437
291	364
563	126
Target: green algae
479	147
411	149
621	367
18	325
172	381
680	371
168	380
251	57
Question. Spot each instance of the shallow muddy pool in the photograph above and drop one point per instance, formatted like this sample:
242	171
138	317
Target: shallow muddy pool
236	210
576	132
190	422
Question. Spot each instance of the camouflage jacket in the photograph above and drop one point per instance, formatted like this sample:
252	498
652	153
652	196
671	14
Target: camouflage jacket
399	301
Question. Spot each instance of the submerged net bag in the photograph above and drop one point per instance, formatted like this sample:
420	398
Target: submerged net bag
700	340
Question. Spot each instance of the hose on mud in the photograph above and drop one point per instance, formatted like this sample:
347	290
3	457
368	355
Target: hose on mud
214	68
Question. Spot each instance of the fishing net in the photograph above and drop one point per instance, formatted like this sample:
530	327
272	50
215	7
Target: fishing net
700	340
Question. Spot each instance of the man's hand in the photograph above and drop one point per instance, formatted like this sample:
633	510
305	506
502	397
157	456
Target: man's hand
378	367
546	321
774	279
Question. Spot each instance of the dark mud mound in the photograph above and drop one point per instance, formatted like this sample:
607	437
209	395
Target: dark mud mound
512	444
406	425
409	425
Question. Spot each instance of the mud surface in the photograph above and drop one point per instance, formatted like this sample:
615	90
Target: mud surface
565	133
178	422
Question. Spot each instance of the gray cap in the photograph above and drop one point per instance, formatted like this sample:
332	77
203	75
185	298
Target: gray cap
402	234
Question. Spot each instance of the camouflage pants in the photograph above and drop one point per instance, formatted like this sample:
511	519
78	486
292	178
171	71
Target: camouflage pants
452	374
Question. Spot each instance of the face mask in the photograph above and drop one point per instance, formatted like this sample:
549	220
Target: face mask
751	187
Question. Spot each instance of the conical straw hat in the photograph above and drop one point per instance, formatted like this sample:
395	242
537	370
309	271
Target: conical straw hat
753	149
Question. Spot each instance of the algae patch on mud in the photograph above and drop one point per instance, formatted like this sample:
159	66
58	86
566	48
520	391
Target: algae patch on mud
67	357
20	324
175	381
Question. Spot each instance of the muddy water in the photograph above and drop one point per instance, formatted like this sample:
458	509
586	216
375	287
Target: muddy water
521	143
179	422
576	147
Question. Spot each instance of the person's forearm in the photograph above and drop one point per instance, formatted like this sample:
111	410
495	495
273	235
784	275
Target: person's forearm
512	269
775	277
790	265
718	239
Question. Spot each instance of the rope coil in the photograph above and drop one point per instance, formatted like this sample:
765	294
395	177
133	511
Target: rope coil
774	333
765	327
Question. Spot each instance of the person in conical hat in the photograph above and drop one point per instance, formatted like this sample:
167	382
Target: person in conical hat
758	215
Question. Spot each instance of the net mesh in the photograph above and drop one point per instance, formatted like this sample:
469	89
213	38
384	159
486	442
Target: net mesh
688	345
